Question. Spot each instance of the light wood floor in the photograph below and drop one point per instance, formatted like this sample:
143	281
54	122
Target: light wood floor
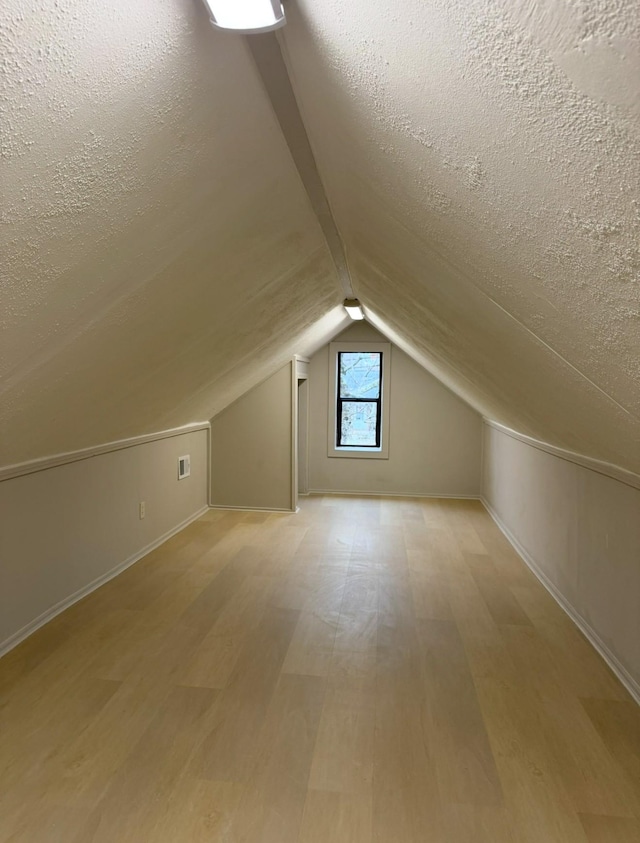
369	670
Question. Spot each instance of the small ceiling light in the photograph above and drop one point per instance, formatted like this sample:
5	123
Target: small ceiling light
247	16
353	308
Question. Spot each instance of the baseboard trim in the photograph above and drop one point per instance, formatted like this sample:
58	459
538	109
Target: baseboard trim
10	472
51	613
251	508
632	686
363	494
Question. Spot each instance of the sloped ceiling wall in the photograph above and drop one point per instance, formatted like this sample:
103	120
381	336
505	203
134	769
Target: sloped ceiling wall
482	159
160	255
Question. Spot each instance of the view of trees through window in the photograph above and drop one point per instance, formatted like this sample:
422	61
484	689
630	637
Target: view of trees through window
359	399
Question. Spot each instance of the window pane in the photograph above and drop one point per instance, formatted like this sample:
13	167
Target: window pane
359	374
359	423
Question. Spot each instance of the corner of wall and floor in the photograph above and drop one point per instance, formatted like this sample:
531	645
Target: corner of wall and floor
576	524
71	522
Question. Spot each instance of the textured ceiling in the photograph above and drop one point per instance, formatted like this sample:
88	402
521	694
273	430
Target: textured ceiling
482	161
160	254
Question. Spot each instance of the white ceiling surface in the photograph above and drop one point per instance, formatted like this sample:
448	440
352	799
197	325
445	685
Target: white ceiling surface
161	256
482	161
159	253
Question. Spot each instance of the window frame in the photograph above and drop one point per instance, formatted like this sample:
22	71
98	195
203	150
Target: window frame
352	451
340	402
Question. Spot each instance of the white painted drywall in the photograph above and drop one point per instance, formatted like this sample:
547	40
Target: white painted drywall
160	255
65	527
480	159
580	528
154	230
435	437
251	447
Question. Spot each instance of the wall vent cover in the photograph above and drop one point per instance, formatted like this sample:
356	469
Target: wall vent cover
184	467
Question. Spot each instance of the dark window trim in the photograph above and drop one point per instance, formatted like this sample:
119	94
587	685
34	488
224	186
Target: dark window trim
377	401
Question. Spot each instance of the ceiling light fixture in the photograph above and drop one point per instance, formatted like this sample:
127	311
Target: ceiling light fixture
246	16
353	308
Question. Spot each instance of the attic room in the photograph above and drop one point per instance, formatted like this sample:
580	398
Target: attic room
320	421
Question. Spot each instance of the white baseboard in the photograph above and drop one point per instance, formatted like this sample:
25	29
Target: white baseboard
51	613
632	686
250	508
369	494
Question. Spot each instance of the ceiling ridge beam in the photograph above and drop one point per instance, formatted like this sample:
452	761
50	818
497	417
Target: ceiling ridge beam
271	66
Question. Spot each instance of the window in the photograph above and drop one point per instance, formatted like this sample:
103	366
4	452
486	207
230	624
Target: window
358	400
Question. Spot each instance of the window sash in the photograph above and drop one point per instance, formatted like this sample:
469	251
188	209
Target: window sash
341	402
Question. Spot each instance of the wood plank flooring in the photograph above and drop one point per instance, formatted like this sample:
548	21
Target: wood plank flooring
366	671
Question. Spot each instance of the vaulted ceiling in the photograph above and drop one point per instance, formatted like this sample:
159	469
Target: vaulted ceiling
161	255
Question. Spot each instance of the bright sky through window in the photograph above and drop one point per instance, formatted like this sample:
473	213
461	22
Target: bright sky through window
360	374
358	399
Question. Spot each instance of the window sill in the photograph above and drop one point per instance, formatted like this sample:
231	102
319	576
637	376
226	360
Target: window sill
359	453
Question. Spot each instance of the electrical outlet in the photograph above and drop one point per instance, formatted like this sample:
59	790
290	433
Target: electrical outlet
142	509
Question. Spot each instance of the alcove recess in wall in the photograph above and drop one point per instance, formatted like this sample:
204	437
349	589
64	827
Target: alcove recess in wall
434	436
253	447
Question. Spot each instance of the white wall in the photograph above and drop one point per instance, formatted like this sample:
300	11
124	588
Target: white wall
63	528
435	438
581	530
251	447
